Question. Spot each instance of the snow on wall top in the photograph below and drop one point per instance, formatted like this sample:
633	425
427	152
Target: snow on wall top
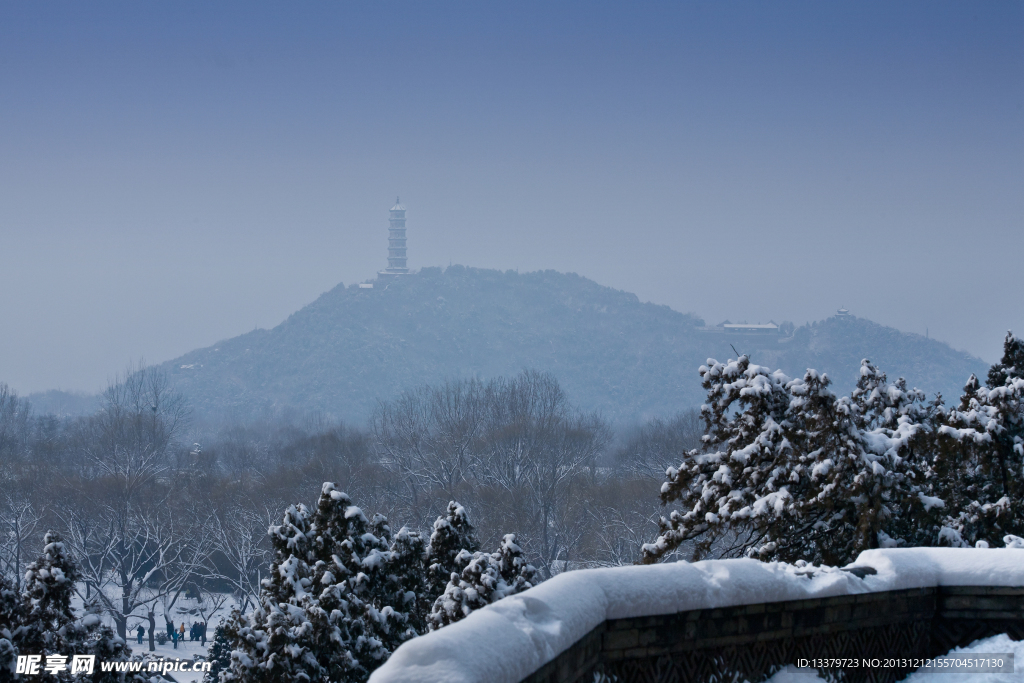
509	640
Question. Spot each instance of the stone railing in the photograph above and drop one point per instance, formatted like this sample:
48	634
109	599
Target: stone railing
726	620
749	642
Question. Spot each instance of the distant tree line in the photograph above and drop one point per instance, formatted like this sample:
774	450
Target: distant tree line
155	505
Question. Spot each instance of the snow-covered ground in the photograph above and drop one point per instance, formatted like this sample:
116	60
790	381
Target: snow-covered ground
993	645
512	638
186	650
186	611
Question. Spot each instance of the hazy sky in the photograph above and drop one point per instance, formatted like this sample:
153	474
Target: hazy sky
173	174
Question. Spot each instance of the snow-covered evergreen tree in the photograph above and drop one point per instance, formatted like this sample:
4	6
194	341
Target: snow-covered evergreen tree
40	620
107	646
484	579
275	641
513	567
981	456
407	579
49	586
885	483
341	596
452	534
478	585
48	625
10	621
219	654
789	471
349	569
735	482
1011	365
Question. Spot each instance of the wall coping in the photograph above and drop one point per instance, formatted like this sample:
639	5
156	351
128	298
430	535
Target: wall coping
513	638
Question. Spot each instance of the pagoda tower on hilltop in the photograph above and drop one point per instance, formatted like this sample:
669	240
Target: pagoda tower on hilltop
396	242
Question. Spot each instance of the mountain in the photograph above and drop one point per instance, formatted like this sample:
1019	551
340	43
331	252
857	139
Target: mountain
64	403
611	352
837	345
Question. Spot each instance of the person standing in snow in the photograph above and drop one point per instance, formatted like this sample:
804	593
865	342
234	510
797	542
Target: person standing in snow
141	633
202	633
174	637
170	629
181	637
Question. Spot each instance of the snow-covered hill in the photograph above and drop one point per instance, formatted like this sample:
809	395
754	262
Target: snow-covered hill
611	352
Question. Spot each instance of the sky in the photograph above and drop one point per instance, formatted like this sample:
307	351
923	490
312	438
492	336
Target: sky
175	174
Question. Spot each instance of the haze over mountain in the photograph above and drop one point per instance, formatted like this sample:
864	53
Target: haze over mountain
180	174
611	352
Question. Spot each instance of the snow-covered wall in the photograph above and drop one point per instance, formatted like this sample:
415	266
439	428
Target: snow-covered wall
509	640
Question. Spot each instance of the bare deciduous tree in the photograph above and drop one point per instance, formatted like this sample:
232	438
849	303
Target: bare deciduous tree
428	435
516	444
134	549
18	521
239	538
14	425
136	560
659	444
537	448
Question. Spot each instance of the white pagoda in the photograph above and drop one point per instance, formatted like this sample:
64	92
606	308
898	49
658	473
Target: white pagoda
396	242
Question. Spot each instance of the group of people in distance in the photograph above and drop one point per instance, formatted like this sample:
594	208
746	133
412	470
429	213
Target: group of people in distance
196	632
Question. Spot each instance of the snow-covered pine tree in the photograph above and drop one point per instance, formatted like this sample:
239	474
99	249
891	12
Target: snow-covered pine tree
340	597
48	623
452	534
517	573
954	461
883	477
343	592
400	583
1010	365
349	564
107	646
478	585
41	620
484	579
49	585
219	654
10	621
981	456
789	471
274	642
730	489
407	579
820	444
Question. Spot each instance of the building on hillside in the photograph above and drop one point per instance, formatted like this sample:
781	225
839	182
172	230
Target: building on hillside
748	331
397	260
749	328
758	329
843	313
